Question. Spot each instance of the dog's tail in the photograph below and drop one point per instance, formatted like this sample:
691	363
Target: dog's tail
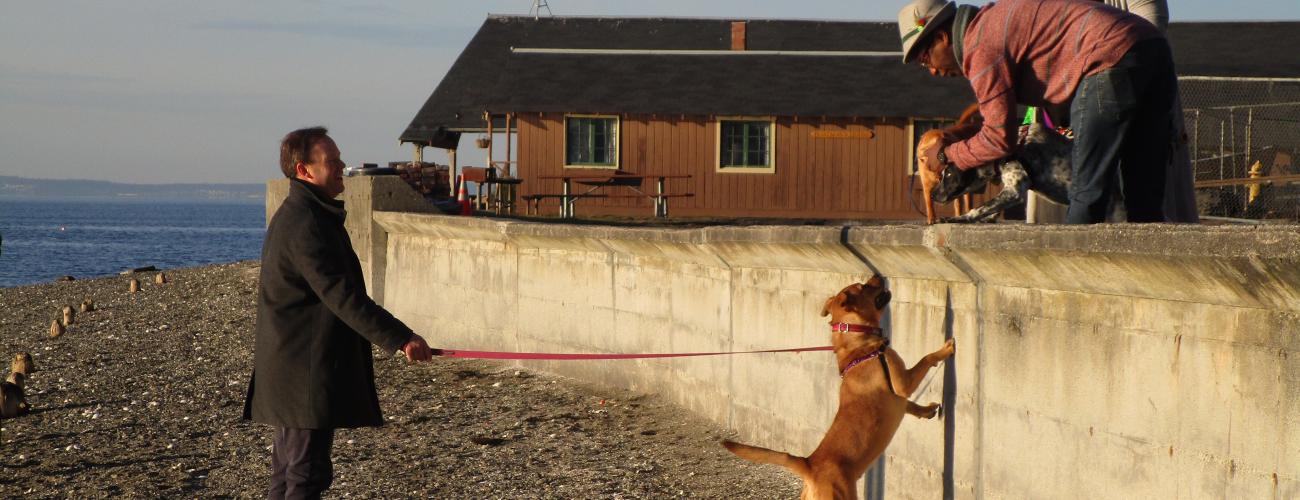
765	456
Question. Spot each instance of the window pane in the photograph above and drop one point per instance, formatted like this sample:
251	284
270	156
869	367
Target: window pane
591	141
745	143
573	133
597	143
608	146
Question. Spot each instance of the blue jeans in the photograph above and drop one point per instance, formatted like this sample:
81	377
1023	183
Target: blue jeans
1121	121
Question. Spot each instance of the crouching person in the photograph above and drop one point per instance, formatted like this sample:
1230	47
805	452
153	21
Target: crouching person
313	370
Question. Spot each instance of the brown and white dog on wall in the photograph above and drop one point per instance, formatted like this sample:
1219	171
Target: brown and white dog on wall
874	390
1041	162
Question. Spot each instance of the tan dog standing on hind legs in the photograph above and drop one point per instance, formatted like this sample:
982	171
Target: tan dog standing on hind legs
874	395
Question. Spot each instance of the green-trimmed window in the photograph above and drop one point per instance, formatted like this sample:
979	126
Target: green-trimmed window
745	144
591	141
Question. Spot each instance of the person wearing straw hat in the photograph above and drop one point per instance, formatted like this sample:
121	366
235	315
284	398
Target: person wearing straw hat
1113	69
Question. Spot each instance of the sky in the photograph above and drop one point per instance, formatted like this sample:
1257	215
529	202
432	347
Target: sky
154	91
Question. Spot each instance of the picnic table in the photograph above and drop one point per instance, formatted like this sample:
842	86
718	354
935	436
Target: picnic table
595	183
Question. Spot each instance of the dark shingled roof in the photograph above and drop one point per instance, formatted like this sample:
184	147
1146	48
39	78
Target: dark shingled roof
1240	49
488	75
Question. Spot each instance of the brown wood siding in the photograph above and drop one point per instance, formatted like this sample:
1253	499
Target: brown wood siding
815	177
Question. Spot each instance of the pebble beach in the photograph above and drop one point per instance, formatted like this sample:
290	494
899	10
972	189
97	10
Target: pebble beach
142	398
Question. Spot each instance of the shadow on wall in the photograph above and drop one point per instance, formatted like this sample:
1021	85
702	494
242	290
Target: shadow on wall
949	402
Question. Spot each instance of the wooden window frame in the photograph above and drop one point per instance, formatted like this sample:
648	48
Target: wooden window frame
618	146
771	145
911	165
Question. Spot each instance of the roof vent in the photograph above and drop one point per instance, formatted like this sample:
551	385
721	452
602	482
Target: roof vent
738	35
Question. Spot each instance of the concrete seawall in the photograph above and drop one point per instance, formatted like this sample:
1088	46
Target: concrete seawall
1119	361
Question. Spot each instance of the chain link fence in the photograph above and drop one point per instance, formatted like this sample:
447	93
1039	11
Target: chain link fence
1244	138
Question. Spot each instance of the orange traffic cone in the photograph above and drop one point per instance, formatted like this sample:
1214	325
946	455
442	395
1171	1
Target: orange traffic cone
462	196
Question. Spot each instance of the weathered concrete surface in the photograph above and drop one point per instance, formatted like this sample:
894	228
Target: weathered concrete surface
1119	361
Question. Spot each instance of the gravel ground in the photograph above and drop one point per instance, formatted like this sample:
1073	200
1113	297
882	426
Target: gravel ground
142	398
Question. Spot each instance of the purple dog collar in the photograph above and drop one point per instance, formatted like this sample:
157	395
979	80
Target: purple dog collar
874	354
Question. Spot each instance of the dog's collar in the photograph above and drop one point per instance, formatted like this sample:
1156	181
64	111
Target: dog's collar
846	328
873	355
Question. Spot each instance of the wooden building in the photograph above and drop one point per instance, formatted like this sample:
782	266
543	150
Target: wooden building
769	118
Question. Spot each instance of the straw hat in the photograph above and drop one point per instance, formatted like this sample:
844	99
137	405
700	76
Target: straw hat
918	20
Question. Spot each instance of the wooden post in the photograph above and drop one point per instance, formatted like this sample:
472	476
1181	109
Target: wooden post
417	158
506	171
488	116
661	203
480	199
566	207
451	171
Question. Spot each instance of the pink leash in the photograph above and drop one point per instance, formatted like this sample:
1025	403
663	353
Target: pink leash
450	353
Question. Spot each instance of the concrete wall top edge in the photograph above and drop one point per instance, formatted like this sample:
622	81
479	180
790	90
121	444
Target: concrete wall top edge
1180	240
1157	240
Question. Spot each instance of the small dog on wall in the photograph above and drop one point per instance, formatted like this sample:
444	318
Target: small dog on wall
1041	162
873	397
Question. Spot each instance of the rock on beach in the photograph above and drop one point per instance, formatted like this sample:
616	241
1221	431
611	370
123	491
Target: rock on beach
143	397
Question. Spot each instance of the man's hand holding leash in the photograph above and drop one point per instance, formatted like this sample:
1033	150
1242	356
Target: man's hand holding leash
417	350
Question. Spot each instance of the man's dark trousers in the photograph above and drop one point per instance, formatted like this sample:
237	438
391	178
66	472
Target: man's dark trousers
300	463
1121	122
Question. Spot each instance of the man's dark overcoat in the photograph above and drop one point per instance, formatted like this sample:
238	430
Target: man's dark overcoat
312	363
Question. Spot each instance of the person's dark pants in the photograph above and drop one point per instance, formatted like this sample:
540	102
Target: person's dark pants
300	463
1121	121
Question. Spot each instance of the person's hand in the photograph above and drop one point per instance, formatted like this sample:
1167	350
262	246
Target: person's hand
417	350
931	156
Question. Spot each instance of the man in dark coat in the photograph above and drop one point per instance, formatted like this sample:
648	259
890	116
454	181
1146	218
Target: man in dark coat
312	365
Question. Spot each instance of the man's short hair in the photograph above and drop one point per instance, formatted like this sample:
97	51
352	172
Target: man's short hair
296	147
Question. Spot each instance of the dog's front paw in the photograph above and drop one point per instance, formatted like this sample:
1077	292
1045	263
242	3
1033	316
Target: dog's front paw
930	411
949	348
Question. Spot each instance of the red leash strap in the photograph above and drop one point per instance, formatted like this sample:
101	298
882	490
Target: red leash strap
451	353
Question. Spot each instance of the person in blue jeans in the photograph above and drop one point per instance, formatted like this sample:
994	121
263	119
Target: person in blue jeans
1121	116
1113	69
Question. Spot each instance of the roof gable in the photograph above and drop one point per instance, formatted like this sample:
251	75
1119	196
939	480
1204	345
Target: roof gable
493	74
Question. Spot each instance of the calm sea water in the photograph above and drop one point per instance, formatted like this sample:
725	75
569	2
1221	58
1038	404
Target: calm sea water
45	239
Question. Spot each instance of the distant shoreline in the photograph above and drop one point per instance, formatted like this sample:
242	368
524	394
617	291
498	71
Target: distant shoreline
22	188
132	199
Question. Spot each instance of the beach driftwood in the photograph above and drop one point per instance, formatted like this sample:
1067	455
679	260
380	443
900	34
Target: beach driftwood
160	278
56	329
135	285
13	403
23	364
69	315
134	270
87	305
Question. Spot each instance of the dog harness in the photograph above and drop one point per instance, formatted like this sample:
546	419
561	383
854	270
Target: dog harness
877	354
